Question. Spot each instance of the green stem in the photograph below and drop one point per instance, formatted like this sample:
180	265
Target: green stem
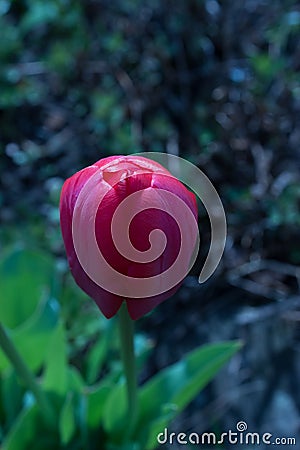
128	359
23	371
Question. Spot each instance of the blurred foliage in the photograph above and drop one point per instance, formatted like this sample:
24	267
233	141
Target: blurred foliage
216	82
74	350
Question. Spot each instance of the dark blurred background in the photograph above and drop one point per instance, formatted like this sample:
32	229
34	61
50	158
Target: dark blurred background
214	82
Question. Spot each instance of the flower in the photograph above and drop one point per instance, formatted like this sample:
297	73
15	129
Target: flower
130	232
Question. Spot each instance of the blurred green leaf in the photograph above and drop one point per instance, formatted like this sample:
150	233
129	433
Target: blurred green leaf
11	396
172	389
98	353
55	378
74	380
96	398
25	278
67	426
114	417
96	358
23	431
38	329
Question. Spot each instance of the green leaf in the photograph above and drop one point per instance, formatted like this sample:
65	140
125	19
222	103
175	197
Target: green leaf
96	399
172	389
67	426
114	417
74	380
25	277
11	396
95	359
38	329
55	378
23	430
97	355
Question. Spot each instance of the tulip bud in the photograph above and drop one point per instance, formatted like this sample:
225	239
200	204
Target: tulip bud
130	232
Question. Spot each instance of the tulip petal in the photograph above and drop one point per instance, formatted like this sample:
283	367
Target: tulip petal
108	303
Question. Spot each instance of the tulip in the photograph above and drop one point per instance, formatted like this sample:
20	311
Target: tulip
130	232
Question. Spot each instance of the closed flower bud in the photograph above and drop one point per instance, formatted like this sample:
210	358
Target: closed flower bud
130	232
